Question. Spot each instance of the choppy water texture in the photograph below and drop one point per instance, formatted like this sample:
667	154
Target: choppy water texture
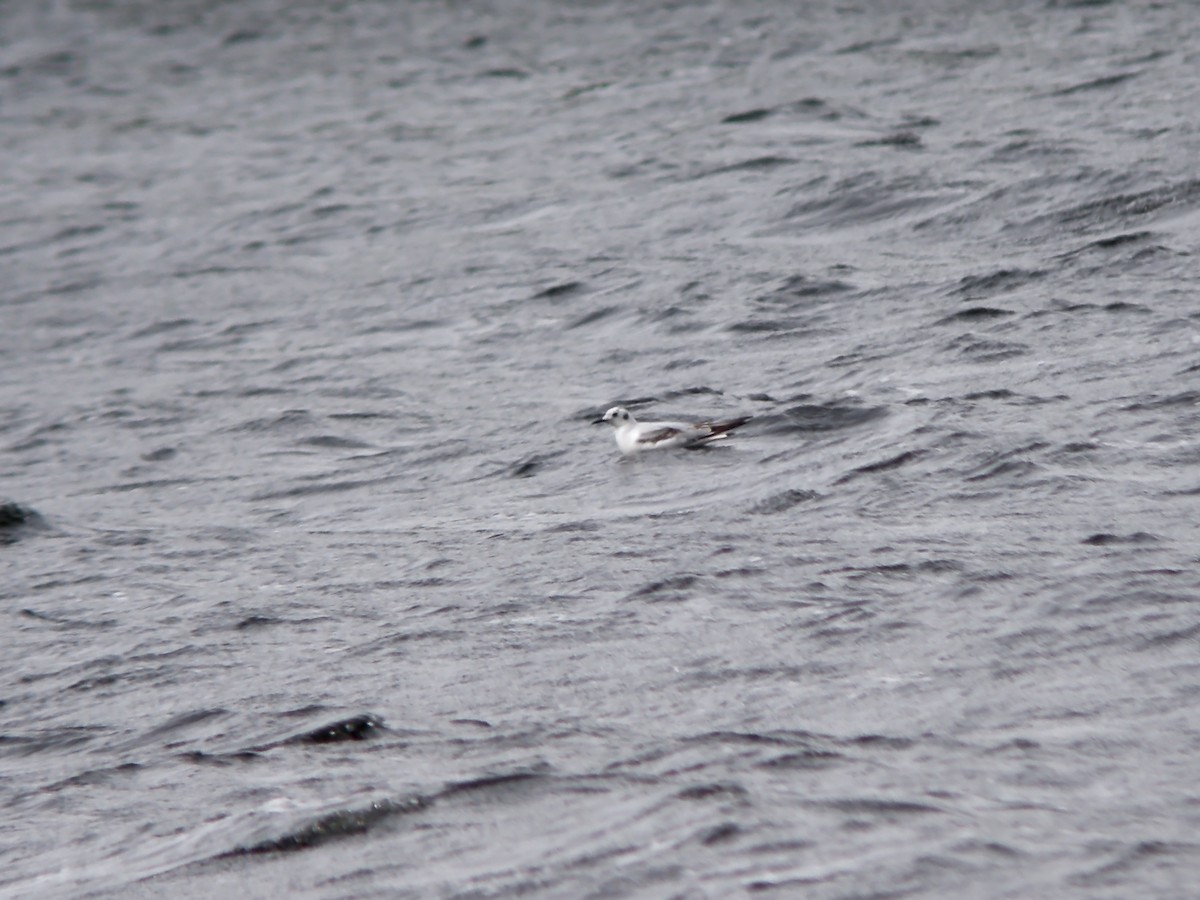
316	580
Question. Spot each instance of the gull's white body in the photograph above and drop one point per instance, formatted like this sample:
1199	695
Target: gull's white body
634	436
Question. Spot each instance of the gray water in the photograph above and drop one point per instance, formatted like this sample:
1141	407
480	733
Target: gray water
316	580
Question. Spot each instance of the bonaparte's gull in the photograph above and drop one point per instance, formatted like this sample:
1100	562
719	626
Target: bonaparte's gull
634	436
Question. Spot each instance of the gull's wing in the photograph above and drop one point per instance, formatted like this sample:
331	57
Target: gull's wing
656	435
715	428
674	434
705	432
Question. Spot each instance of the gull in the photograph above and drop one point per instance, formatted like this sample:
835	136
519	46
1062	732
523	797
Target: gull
634	436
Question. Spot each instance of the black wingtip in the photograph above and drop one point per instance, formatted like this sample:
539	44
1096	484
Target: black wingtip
729	424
